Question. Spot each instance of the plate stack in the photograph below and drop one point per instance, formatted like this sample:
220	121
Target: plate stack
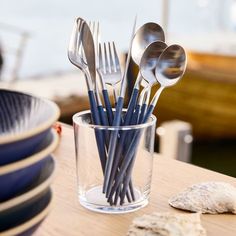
26	164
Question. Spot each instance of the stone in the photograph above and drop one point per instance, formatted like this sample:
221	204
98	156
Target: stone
207	197
167	224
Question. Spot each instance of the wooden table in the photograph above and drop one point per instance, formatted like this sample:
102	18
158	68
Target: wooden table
68	218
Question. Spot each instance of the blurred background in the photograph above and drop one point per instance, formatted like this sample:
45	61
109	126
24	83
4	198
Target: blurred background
33	43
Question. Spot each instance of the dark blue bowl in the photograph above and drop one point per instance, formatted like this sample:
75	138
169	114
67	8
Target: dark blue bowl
42	182
18	176
14	220
25	120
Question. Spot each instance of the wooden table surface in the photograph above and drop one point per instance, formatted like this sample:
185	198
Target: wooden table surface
68	218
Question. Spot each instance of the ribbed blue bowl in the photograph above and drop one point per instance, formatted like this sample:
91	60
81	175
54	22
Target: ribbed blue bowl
25	120
42	181
16	177
25	218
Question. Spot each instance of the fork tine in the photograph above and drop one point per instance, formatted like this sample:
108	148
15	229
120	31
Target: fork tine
107	66
100	61
117	62
111	57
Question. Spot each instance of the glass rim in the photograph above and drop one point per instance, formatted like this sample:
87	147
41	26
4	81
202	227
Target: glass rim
126	127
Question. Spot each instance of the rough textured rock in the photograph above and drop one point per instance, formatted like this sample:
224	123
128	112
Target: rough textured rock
208	197
167	224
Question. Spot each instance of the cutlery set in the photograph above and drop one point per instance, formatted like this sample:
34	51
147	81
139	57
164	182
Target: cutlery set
99	62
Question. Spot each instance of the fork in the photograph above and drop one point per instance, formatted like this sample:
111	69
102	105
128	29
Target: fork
111	61
109	70
110	73
77	58
117	116
96	35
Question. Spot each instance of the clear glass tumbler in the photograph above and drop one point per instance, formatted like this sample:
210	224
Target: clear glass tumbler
118	182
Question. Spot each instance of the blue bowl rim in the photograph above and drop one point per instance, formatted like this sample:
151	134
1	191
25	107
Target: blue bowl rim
36	130
30	223
6	169
30	193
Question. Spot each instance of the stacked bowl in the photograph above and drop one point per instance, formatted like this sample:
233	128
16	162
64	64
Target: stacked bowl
26	164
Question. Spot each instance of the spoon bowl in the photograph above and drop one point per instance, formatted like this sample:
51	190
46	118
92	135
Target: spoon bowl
145	35
169	70
171	65
149	61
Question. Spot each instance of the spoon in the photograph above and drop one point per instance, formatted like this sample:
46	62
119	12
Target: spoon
147	67
145	35
169	70
149	61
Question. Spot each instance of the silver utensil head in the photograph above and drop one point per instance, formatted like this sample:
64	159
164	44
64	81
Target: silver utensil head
75	45
171	65
149	61
145	35
89	50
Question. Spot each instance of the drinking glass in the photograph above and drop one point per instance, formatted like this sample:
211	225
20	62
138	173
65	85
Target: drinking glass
134	149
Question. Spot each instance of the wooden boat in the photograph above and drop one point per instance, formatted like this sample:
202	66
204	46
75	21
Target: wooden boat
205	97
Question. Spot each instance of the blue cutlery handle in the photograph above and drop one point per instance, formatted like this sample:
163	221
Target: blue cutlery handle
130	153
108	106
129	119
131	106
113	142
127	181
129	156
93	105
118	112
129	136
143	110
99	135
148	114
104	122
135	115
102	115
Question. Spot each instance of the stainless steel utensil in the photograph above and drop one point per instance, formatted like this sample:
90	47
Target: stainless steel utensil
109	65
94	28
117	117
169	70
157	63
147	67
149	61
75	51
76	55
89	51
145	35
